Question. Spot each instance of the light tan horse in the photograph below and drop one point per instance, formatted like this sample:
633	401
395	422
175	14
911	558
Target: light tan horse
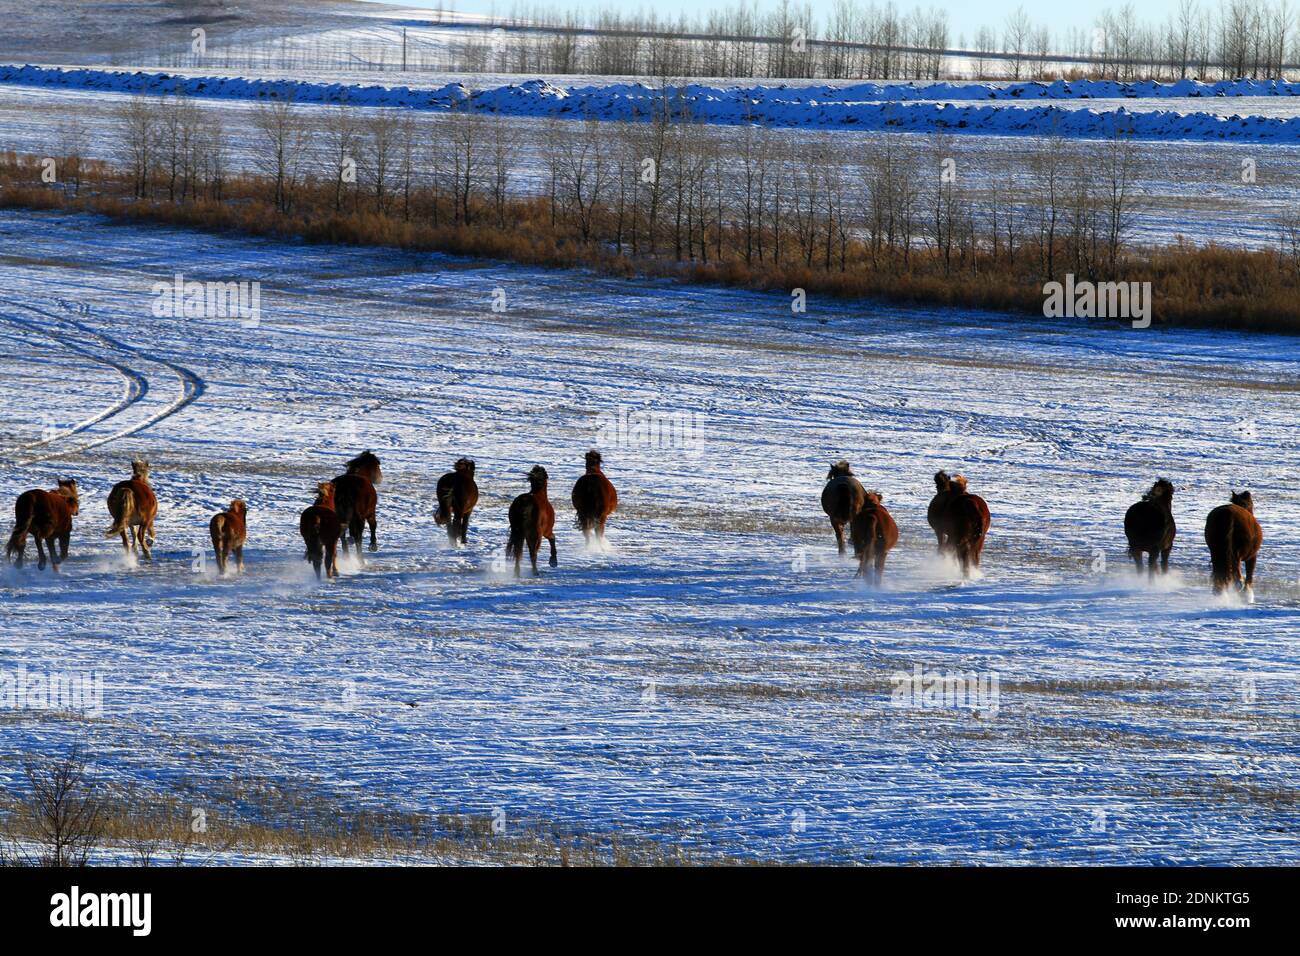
228	530
134	507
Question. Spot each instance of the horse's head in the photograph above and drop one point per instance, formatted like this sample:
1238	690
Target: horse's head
466	465
941	481
239	507
140	469
1243	500
593	460
1162	490
839	469
368	465
874	497
957	484
325	494
537	478
68	488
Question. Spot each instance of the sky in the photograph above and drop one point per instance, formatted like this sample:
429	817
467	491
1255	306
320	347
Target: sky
965	17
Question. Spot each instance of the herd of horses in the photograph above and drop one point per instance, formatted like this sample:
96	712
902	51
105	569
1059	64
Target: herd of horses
347	505
960	521
342	511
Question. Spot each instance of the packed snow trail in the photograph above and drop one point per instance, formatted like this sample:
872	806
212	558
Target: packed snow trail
717	680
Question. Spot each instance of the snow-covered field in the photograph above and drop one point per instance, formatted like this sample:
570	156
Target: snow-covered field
716	680
1085	109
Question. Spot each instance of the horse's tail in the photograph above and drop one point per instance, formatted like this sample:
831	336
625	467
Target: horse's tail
1222	561
519	525
311	536
26	511
443	514
218	531
126	506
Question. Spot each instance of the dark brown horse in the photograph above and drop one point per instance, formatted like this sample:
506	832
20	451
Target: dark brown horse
356	499
594	499
133	506
228	530
936	514
457	496
1234	537
966	520
47	516
1149	525
321	530
874	533
531	519
842	498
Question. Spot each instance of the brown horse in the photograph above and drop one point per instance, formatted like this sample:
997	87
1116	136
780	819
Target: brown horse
966	520
842	499
1149	525
457	496
936	514
321	529
874	533
228	530
531	519
594	499
47	516
356	499
1234	538
134	507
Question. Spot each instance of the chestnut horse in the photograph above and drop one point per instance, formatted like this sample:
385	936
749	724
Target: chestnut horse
321	530
356	500
594	499
457	496
133	507
47	516
874	533
228	530
936	514
1149	525
842	499
1234	538
531	519
966	521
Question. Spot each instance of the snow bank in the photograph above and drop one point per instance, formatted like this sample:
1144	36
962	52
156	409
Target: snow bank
865	106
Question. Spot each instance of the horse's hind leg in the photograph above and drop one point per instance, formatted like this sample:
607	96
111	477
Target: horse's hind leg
40	553
881	553
1164	560
839	535
463	523
355	528
51	544
1249	585
1151	565
239	559
374	542
555	560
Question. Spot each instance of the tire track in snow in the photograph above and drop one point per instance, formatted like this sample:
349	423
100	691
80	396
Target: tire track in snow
191	385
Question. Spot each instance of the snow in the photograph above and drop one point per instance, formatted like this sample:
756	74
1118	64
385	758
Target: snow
716	679
868	106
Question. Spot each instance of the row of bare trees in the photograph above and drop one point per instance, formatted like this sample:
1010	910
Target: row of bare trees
663	187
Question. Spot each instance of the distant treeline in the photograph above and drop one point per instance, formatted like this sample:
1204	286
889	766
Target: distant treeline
852	41
667	196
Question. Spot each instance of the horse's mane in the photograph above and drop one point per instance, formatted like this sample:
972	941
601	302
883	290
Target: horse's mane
537	476
941	481
464	464
957	482
1162	488
593	458
1242	499
366	459
874	497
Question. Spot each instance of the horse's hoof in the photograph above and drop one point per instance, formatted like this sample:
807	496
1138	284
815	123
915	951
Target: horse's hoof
374	547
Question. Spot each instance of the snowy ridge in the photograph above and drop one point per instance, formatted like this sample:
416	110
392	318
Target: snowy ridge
867	106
